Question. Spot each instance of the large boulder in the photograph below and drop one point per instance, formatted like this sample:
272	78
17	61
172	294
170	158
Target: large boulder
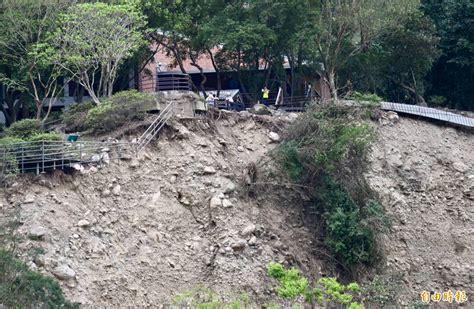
260	109
64	272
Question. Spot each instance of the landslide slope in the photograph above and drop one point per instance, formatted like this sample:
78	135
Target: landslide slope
139	232
424	174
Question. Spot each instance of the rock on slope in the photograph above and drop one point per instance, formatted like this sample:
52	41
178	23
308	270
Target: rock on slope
139	232
425	176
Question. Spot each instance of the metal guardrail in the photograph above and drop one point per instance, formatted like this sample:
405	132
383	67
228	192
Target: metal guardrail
155	127
299	105
173	81
428	112
42	156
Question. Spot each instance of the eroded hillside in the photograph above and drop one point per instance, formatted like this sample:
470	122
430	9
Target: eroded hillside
425	176
140	231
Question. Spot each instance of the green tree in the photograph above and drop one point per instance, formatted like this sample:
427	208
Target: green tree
239	36
451	74
23	25
92	41
398	61
349	27
410	49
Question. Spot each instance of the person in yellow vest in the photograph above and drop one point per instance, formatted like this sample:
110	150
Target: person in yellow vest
265	95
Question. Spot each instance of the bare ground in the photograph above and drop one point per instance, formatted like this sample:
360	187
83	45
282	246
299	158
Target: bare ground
153	228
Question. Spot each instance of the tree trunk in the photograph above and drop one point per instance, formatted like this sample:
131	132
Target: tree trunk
332	83
218	73
50	106
39	108
239	76
203	76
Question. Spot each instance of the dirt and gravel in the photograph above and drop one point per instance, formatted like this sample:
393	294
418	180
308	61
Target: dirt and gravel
424	174
141	230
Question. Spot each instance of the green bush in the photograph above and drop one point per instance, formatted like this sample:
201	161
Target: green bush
291	283
368	99
23	288
24	128
289	158
122	108
75	116
383	290
326	151
50	136
328	292
9	140
438	101
9	163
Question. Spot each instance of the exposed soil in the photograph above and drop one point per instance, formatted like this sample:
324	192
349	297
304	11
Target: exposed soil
425	176
151	231
140	231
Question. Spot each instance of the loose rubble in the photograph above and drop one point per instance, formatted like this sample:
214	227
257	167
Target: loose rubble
138	232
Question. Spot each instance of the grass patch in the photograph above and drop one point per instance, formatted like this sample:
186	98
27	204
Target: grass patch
328	292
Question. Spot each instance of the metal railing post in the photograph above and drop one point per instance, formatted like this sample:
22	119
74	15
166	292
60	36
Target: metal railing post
42	156
22	158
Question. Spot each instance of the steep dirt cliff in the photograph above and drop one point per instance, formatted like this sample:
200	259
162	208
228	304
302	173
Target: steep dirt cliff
140	231
424	174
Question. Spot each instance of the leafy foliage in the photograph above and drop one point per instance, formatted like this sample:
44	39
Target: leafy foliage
47	136
328	291
383	289
22	288
369	99
23	26
75	116
438	100
326	150
9	163
452	72
122	108
9	140
291	283
93	39
24	128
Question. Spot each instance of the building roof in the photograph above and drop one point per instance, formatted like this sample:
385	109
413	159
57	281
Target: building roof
167	63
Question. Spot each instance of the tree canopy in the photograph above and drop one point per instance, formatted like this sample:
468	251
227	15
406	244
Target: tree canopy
412	51
92	41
